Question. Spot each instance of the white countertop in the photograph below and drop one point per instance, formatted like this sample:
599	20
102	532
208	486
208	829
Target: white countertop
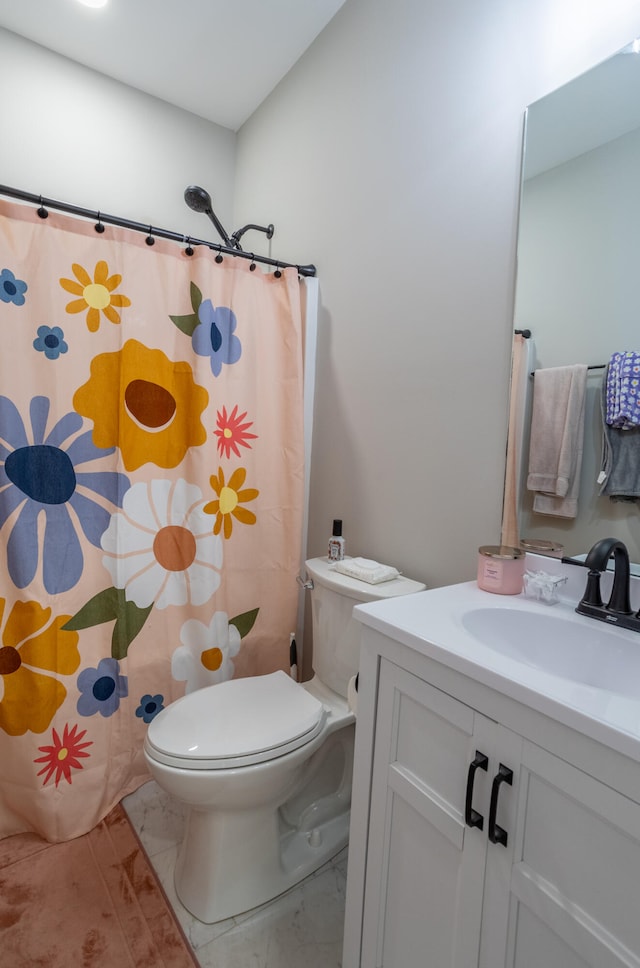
431	623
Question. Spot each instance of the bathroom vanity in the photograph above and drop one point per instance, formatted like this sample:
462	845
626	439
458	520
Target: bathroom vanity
496	799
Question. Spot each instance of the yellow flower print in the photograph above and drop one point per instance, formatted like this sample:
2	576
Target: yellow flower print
33	640
145	404
95	295
230	497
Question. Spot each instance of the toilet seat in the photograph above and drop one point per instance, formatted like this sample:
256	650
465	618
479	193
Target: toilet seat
236	723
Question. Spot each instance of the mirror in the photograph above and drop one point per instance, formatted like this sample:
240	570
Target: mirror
578	271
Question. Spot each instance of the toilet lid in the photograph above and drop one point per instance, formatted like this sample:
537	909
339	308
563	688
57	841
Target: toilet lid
234	723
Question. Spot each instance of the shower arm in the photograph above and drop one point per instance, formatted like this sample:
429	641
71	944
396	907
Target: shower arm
233	241
237	235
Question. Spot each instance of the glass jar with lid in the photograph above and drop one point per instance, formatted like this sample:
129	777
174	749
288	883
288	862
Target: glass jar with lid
501	569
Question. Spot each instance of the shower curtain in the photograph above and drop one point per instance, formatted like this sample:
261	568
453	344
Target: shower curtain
151	498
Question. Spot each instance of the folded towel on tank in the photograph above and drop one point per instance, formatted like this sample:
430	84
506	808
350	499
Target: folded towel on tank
623	390
364	569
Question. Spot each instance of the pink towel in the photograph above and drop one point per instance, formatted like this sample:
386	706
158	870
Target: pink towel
557	438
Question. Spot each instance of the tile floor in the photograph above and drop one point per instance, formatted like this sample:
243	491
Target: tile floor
302	927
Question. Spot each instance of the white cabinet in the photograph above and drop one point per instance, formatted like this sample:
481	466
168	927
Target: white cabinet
471	845
575	881
426	863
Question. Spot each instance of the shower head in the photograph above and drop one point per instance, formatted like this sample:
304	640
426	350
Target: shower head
198	199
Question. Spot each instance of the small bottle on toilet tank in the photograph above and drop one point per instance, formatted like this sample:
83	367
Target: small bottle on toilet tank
336	542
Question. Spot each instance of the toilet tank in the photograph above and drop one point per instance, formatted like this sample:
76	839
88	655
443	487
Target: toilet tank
336	636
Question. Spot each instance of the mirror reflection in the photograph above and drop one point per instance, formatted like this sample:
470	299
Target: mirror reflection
577	284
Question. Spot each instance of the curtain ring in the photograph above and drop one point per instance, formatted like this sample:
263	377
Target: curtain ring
189	248
42	212
277	273
99	227
150	239
252	267
219	256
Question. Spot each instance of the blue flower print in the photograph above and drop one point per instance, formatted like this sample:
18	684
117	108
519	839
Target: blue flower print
213	336
50	341
40	476
101	689
12	290
149	707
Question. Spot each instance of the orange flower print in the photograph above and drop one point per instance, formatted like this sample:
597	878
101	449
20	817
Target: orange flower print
95	295
145	404
63	755
34	649
230	497
231	431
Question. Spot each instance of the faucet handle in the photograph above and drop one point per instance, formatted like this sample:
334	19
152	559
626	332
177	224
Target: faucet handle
574	561
592	594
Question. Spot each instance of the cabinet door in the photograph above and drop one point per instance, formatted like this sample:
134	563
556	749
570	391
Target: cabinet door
574	885
425	866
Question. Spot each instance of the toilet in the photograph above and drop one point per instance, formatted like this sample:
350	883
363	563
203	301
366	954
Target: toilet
264	764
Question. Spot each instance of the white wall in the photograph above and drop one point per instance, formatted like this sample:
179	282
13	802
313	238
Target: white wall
77	136
390	157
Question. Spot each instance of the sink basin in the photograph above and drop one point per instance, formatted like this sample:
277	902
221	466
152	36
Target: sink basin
588	654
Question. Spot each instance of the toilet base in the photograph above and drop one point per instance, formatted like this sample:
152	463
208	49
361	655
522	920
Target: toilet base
235	857
252	873
302	854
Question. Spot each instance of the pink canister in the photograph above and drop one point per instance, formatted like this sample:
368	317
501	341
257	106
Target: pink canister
500	569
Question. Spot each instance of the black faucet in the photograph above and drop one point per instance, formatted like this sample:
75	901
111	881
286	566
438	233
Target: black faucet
617	611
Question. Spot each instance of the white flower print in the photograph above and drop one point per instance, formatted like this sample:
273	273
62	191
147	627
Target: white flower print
160	548
204	658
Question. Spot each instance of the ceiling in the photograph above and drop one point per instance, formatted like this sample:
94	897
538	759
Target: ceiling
216	58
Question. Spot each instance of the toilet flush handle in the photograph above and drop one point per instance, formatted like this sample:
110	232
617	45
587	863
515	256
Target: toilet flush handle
307	584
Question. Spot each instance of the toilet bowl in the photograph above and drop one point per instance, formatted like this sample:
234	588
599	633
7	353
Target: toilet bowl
264	764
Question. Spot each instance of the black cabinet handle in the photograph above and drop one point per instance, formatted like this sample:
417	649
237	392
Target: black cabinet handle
472	817
497	835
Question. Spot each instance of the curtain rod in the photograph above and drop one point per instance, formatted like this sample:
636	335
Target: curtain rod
151	231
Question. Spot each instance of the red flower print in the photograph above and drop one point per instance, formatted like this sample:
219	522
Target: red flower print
63	756
231	432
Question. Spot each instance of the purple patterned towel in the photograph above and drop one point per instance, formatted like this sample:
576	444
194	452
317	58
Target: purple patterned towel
623	390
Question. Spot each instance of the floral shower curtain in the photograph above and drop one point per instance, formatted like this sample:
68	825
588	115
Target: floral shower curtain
151	499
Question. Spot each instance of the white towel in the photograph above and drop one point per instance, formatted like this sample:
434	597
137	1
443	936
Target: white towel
364	569
557	439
